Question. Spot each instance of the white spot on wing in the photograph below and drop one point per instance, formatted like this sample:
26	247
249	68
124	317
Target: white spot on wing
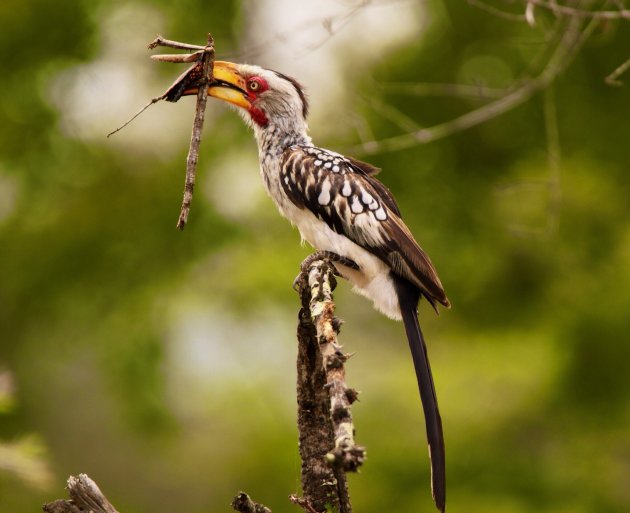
380	214
346	190
366	197
356	206
324	195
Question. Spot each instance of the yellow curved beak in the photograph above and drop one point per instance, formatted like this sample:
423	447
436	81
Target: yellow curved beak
228	85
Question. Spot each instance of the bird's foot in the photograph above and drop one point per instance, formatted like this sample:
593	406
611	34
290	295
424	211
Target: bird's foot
329	256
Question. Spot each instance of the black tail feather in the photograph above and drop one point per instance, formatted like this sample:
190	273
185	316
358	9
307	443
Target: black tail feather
409	295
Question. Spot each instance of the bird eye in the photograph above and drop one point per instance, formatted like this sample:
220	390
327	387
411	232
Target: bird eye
254	85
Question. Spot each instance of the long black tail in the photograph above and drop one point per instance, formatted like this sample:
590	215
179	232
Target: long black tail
408	296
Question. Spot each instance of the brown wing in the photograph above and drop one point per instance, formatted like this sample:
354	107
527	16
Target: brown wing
354	203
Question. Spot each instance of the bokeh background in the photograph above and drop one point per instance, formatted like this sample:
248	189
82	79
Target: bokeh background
161	363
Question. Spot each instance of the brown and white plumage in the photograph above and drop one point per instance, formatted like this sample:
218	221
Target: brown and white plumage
345	195
339	206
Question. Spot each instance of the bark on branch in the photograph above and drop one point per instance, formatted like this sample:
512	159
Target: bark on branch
326	431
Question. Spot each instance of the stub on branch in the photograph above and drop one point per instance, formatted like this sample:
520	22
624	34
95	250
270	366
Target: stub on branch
243	504
85	496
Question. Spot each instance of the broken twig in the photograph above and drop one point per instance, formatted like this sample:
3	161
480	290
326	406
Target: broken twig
153	100
160	41
613	78
207	66
198	76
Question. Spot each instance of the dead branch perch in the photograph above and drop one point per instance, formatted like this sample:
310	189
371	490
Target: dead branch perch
326	431
85	496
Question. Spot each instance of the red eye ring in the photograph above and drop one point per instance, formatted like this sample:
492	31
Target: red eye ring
257	85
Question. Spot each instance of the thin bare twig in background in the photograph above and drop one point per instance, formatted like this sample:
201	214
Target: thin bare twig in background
613	78
475	91
574	34
529	14
504	15
552	185
361	126
388	111
331	25
565	10
334	25
553	159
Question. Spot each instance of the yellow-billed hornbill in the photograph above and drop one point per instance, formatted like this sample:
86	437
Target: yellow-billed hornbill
340	208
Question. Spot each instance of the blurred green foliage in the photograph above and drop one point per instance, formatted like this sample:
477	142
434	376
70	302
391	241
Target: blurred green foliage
161	363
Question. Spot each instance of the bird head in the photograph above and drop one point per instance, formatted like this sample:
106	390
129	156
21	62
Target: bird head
262	96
